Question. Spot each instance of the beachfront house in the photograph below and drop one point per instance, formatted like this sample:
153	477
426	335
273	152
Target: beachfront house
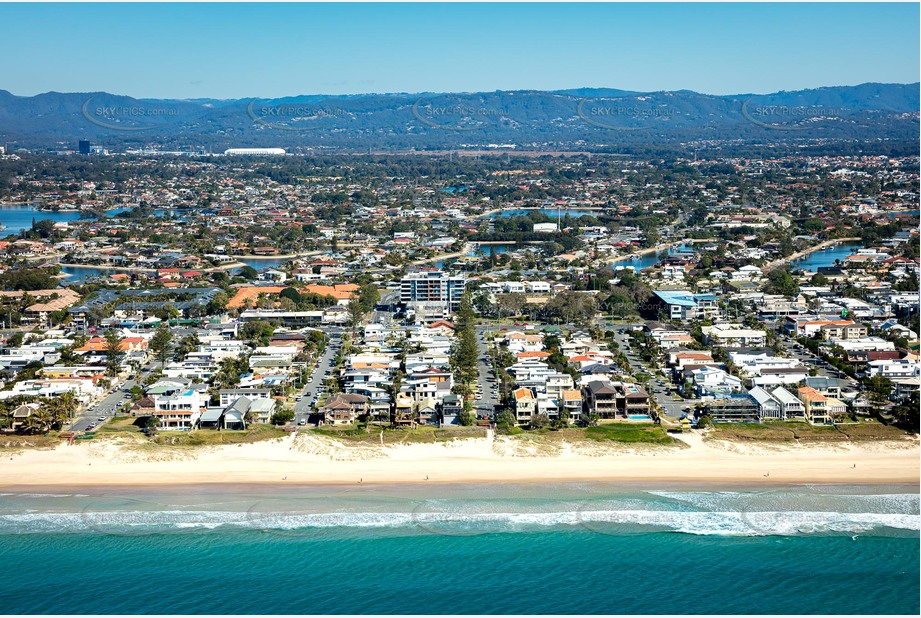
525	405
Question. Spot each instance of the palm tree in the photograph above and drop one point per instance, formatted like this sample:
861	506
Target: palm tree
37	422
61	409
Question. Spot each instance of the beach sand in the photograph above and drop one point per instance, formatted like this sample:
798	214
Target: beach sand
310	459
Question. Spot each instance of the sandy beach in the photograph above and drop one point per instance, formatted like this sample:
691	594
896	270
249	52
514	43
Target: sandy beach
309	459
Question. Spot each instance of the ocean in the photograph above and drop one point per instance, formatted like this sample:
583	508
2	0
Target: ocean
583	548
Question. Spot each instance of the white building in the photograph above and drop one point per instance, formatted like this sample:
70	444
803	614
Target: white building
734	336
254	152
894	369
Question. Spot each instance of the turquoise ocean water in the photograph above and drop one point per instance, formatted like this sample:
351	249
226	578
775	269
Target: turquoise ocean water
587	548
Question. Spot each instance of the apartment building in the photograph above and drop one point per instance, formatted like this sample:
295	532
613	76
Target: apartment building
432	290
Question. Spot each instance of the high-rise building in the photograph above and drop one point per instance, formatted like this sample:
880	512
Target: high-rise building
432	290
83	146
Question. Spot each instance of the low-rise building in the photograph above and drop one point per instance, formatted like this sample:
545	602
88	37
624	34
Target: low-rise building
682	305
815	404
611	400
734	336
736	408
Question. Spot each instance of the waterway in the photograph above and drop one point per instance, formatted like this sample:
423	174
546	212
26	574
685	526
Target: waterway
18	218
827	256
81	274
550	212
640	262
261	263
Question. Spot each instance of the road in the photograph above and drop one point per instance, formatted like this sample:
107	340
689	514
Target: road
793	349
659	392
385	318
486	380
112	402
304	408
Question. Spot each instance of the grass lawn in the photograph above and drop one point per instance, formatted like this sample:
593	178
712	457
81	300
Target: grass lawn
120	424
630	433
792	431
420	435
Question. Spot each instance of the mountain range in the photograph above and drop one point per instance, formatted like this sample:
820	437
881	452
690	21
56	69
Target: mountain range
592	119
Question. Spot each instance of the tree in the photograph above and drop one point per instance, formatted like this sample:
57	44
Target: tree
368	296
356	314
114	353
61	409
167	312
160	342
292	294
29	279
879	388
505	420
257	332
539	421
562	420
218	303
906	414
38	421
570	306
464	351
151	425
282	417
511	304
818	279
465	417
44	228
188	344
230	371
780	281
248	272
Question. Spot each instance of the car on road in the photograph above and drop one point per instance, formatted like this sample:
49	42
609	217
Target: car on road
91	426
101	418
303	421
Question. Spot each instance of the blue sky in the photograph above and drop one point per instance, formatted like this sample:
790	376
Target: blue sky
244	50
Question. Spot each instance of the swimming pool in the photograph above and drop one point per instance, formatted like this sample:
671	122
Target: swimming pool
639	417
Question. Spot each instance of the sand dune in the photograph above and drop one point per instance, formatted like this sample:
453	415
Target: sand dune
311	459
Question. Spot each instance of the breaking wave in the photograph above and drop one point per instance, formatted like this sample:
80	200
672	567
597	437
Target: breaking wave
777	513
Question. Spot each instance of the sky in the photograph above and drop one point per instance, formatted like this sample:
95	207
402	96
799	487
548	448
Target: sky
243	50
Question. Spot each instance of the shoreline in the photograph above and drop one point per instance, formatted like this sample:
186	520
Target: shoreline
415	485
299	461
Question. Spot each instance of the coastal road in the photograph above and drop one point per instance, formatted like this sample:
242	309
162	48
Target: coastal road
659	392
304	407
113	401
486	405
793	349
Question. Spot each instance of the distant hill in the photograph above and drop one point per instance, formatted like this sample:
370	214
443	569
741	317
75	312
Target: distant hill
600	119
